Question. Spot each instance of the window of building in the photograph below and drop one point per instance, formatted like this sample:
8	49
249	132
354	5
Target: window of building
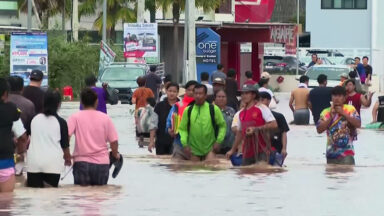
343	4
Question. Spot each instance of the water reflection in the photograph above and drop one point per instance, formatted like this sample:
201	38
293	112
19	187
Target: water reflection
155	185
6	201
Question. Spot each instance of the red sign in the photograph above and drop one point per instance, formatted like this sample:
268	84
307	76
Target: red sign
285	34
254	11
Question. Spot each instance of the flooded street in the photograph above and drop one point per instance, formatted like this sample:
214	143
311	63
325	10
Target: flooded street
148	185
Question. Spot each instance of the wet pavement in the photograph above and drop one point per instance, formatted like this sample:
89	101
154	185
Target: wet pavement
150	185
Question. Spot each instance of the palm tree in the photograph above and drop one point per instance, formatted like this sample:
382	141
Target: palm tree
117	11
177	7
44	9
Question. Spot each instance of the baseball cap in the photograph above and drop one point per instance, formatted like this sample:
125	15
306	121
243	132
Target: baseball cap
344	75
36	75
219	80
265	75
265	95
248	88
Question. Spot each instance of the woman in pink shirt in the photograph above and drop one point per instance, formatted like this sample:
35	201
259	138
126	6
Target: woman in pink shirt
93	131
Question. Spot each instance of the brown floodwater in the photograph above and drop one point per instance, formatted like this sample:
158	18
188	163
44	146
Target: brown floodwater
150	185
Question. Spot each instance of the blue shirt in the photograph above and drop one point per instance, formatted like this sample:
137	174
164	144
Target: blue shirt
360	68
7	163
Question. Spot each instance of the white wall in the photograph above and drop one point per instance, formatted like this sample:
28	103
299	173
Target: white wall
331	28
377	60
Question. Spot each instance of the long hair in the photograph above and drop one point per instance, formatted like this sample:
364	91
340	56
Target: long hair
52	100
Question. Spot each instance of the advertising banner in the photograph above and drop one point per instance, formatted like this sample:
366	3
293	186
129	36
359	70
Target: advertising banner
208	44
140	40
29	51
107	56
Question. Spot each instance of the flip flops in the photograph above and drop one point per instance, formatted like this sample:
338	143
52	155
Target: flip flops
117	163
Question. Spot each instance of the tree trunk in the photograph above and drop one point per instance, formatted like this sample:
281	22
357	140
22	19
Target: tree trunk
152	11
112	34
63	17
176	19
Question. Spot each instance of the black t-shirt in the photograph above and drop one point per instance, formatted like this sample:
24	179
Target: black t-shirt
276	137
320	98
231	89
36	95
8	114
162	110
368	70
153	82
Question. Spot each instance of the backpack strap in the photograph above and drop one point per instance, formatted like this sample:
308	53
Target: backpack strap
190	108
213	119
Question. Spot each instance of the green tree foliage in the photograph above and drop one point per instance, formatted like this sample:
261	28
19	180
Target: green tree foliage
117	11
47	9
68	63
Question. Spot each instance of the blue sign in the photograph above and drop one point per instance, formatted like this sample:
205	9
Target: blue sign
207	51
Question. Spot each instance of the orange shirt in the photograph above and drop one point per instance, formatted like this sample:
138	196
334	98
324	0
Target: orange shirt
141	94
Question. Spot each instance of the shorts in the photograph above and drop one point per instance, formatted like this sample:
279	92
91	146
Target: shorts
252	160
347	160
6	174
37	180
163	148
301	116
85	173
178	152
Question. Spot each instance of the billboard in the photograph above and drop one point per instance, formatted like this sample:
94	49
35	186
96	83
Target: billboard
29	51
285	34
140	40
254	11
207	51
107	56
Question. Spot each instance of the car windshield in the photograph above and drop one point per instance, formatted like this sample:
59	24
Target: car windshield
331	72
122	74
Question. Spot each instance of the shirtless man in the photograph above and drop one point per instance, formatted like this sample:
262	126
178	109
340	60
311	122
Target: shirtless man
300	97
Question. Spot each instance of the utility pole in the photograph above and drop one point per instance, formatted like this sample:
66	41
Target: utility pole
297	37
75	20
140	11
191	75
105	21
185	55
63	18
29	24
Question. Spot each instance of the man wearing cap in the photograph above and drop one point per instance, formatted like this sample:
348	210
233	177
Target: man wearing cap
33	92
252	129
343	77
278	136
218	84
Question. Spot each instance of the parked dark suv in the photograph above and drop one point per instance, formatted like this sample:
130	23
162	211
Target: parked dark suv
122	76
283	65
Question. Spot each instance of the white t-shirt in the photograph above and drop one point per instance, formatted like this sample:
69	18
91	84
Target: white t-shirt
262	89
18	128
265	111
45	152
236	119
209	88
